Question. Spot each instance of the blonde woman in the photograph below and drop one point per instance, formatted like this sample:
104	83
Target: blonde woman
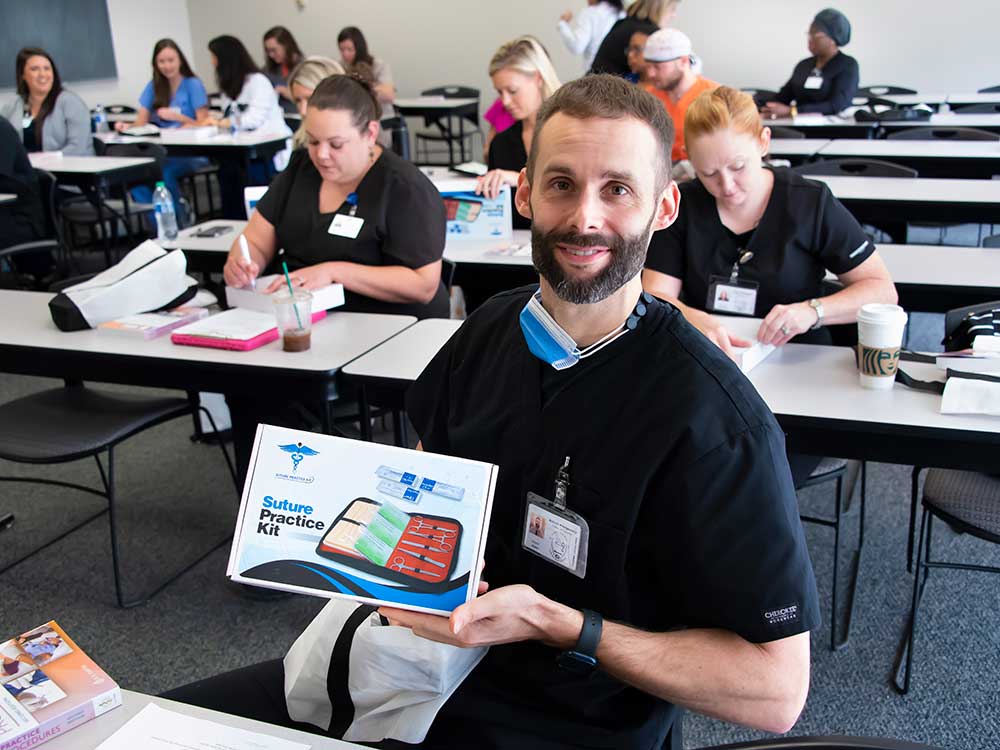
646	16
524	77
303	80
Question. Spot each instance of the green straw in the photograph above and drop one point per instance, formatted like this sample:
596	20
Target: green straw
288	280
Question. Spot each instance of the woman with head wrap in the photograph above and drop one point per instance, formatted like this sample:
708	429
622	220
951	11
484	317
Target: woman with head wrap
827	81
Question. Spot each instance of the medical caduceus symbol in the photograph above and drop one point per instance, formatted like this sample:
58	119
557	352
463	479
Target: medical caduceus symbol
298	451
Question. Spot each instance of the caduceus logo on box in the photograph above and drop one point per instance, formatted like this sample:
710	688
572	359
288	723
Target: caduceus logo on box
297	452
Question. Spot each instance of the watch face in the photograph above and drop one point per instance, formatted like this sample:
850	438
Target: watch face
574	661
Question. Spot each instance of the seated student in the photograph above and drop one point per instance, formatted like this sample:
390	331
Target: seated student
249	103
281	55
357	59
643	15
175	97
589	28
524	77
673	80
776	231
827	81
23	220
302	81
635	56
392	266
698	590
48	117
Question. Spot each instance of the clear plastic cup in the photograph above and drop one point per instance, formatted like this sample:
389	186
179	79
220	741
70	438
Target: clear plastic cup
294	315
880	336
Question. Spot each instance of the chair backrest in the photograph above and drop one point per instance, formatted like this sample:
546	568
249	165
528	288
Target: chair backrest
943	134
990	90
855	168
992	241
400	134
823	743
778	131
251	195
986	108
452	92
141	149
884	90
761	96
50	204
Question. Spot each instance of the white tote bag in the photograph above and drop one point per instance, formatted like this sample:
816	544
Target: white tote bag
363	681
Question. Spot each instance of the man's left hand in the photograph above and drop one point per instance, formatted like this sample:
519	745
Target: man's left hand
506	615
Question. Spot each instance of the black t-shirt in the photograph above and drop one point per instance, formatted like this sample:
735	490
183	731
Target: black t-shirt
804	232
404	225
679	469
840	84
24	219
507	152
611	56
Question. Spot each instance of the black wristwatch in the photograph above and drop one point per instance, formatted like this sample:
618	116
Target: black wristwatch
582	658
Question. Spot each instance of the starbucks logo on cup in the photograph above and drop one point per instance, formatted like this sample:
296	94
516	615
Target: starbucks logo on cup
878	362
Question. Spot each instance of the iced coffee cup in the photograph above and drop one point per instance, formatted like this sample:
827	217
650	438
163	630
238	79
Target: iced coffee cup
880	336
294	315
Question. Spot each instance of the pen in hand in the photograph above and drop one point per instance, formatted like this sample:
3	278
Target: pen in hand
245	251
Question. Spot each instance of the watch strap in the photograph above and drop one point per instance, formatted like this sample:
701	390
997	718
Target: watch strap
816	305
590	633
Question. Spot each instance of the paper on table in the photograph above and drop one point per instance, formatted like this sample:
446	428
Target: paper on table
155	727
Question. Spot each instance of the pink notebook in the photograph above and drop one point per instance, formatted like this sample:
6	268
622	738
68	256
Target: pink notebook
237	329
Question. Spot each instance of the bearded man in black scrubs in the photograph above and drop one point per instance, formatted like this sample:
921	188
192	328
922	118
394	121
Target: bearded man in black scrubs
680	577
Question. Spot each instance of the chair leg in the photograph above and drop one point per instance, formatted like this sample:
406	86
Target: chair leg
225	453
914	487
919	582
837	518
399	427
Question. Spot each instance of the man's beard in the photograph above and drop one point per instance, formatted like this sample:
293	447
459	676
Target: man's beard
628	255
671	85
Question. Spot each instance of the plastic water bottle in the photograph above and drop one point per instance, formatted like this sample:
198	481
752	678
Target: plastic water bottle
100	120
166	219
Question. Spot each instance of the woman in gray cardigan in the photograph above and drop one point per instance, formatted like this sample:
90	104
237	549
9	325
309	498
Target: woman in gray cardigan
48	117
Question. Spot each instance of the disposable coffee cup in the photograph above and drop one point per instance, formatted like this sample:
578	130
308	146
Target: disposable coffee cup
880	336
294	316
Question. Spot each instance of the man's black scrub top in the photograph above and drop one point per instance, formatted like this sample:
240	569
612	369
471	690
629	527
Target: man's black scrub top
680	470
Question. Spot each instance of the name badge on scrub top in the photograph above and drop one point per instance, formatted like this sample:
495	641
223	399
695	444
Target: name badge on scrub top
555	533
814	82
347	225
726	294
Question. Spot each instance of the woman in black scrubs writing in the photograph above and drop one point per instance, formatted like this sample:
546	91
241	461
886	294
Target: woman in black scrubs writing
827	81
524	78
391	263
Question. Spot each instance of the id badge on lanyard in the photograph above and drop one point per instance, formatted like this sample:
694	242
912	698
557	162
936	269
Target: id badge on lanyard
815	81
347	225
555	533
732	294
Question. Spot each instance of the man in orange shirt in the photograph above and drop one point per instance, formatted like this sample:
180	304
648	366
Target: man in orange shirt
668	70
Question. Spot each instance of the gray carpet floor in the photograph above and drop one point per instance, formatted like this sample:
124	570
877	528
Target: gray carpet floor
177	500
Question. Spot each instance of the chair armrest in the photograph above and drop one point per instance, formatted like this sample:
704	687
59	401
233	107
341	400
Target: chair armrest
25	247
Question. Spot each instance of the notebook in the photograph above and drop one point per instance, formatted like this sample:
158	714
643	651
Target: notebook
238	329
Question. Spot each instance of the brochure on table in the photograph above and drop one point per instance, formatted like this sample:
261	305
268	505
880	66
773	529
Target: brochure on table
474	218
333	517
747	357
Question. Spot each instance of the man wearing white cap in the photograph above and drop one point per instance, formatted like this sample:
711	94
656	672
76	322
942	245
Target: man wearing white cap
669	62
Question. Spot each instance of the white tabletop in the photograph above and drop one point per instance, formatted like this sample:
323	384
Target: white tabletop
908	100
464	251
822	382
336	340
404	356
197	137
941	265
810	120
923	189
93	733
974	98
432	101
186	239
949	120
796	146
7	197
929	149
53	162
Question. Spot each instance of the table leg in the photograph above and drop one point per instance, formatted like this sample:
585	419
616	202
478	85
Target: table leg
366	416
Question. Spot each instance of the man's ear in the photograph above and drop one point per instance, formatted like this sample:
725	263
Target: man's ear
522	196
667	207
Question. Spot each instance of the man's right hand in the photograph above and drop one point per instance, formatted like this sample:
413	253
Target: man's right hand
717	333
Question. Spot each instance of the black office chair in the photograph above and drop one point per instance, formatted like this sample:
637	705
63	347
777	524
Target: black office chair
761	96
853	167
987	108
967	501
66	424
823	743
992	241
875	91
453	132
779	131
399	134
990	90
943	134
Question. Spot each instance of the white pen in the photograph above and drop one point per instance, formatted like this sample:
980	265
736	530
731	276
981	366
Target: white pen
245	250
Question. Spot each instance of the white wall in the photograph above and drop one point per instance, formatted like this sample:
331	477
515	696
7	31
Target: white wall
136	25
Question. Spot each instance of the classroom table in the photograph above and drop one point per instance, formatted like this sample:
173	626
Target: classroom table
242	146
878	200
96	176
938	278
990	122
206	254
7	198
961	100
31	345
796	150
931	158
438	107
827	126
88	736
